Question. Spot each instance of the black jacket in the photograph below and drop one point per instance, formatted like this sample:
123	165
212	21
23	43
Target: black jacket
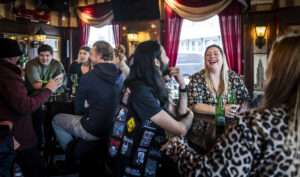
102	89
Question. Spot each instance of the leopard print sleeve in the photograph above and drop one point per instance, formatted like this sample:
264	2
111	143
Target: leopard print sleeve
231	156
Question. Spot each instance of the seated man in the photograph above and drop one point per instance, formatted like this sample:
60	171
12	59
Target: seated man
98	95
42	67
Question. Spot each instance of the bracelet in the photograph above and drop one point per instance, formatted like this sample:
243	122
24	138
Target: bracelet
184	90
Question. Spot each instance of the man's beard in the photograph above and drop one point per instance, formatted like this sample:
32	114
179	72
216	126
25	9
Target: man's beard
164	69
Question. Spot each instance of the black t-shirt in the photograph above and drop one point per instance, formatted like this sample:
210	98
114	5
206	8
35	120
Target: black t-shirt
139	153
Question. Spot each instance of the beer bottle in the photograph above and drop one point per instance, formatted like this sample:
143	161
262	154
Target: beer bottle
74	86
220	117
232	99
45	81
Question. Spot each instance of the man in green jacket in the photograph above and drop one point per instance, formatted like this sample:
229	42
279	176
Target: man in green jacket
41	68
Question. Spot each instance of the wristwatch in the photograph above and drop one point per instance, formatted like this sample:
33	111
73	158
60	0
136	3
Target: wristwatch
184	90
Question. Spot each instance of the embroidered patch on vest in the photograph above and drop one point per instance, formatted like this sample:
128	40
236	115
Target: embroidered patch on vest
114	145
147	137
118	129
150	168
132	171
130	124
149	124
122	115
140	156
126	146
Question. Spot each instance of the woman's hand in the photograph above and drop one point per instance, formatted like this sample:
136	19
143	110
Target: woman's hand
165	146
54	84
231	110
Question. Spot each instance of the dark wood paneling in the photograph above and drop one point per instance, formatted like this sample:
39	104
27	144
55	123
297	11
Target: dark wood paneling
277	21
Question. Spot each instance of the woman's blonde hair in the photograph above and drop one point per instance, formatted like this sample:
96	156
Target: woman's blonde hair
283	82
222	90
120	52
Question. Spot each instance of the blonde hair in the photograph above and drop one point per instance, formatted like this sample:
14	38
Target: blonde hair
120	52
283	83
222	89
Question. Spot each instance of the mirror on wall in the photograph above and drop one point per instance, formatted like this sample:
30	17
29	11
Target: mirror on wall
133	33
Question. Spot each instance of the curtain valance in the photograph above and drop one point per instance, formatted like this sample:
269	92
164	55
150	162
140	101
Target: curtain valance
197	10
97	15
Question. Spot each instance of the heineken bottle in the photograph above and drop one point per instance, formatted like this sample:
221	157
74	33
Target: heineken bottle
220	117
232	99
45	81
75	85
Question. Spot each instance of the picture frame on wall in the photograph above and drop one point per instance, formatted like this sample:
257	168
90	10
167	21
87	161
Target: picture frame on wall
260	61
53	43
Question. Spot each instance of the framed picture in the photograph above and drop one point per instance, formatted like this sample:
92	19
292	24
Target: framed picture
294	28
53	43
260	65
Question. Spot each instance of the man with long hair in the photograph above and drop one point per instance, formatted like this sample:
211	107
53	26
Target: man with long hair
149	113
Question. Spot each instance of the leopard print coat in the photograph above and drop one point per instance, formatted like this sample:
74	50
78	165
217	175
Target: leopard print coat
255	145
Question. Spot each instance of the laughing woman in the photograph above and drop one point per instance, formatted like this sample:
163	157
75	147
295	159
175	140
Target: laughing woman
204	87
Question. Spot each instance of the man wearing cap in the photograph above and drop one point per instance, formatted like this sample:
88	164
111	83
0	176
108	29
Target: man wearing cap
16	106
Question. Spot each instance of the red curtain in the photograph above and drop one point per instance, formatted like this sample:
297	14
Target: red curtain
116	29
197	3
172	36
231	32
95	11
84	32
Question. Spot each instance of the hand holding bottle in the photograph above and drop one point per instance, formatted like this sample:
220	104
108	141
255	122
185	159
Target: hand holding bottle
231	110
54	84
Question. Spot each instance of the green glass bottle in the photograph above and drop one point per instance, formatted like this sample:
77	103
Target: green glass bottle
74	86
45	81
232	99
50	76
220	117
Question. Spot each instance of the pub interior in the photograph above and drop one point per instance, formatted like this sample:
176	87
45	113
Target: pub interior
149	88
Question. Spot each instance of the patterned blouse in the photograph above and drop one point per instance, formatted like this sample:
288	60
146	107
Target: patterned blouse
199	93
199	133
256	145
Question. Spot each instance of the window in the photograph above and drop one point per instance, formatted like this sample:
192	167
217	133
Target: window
195	37
193	46
105	33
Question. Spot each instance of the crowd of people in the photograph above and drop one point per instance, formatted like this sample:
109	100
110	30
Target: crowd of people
127	109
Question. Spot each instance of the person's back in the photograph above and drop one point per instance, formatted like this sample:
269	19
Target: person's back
271	151
103	86
16	106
